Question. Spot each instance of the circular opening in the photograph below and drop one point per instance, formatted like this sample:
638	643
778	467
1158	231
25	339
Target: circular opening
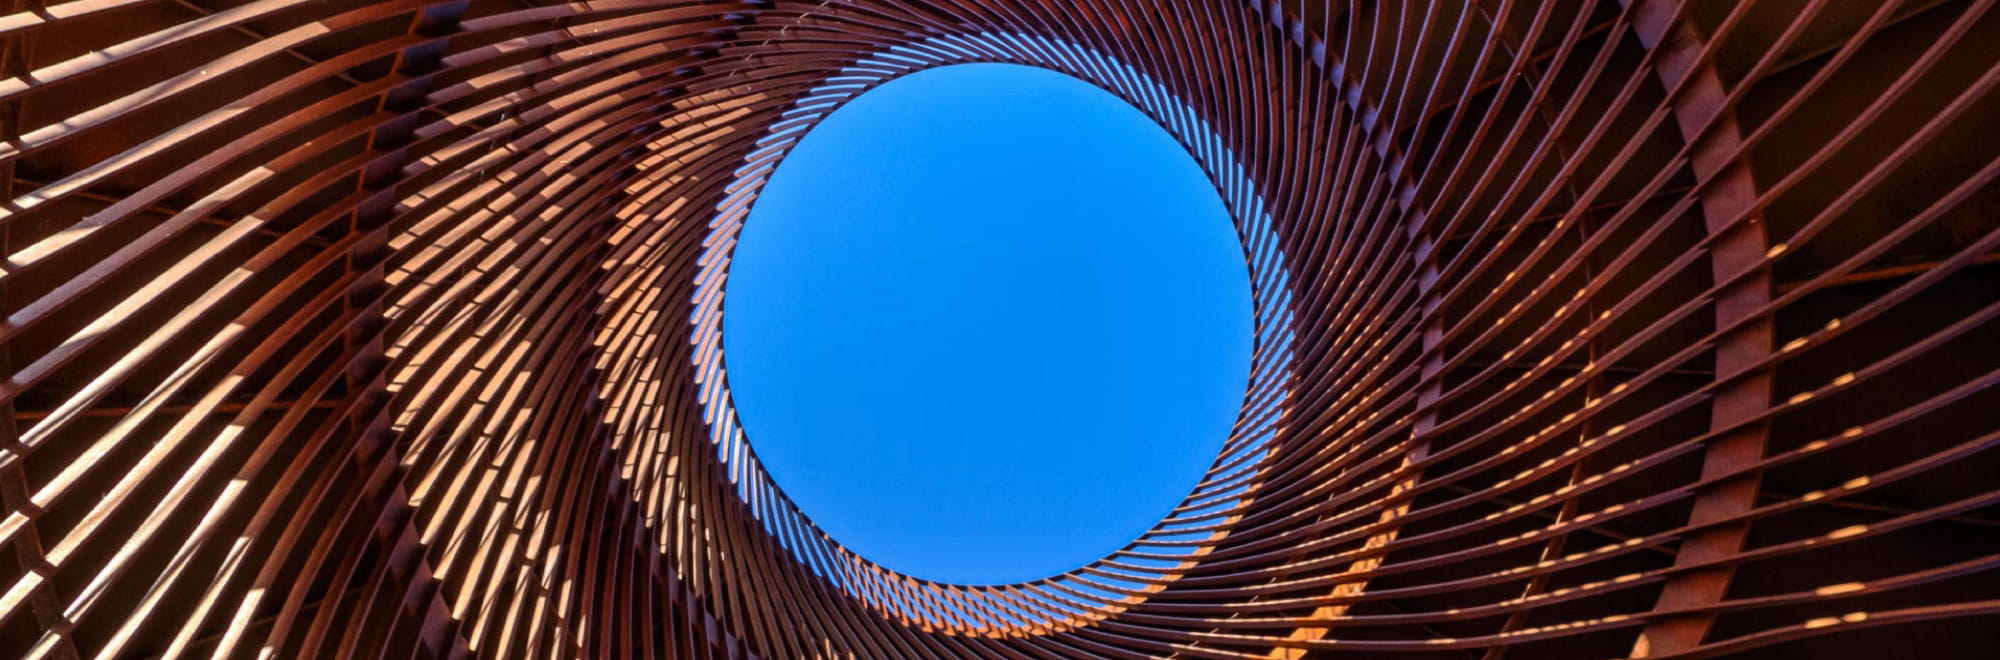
987	323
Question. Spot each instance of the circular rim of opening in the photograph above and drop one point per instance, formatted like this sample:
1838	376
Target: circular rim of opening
1123	577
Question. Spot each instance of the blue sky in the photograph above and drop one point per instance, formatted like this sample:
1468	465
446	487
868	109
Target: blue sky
987	323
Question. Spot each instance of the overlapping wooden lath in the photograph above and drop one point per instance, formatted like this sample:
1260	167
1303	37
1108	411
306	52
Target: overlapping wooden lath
1589	329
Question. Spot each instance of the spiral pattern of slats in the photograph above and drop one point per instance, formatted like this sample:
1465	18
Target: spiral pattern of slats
1585	329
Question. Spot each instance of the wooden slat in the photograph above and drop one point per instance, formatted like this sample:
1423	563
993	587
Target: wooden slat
1584	329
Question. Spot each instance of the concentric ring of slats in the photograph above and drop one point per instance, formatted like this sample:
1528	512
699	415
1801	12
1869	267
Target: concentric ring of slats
1587	329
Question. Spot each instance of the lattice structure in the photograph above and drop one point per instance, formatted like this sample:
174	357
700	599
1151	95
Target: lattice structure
1587	329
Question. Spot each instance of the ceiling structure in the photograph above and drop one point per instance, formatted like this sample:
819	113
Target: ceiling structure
1587	329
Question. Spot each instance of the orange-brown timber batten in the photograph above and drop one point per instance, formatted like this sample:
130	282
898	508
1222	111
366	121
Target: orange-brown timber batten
1611	328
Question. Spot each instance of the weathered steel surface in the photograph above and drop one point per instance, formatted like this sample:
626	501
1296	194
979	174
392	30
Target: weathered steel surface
1587	329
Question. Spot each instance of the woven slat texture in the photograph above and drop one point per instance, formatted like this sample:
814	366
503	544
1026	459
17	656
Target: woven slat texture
1586	329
